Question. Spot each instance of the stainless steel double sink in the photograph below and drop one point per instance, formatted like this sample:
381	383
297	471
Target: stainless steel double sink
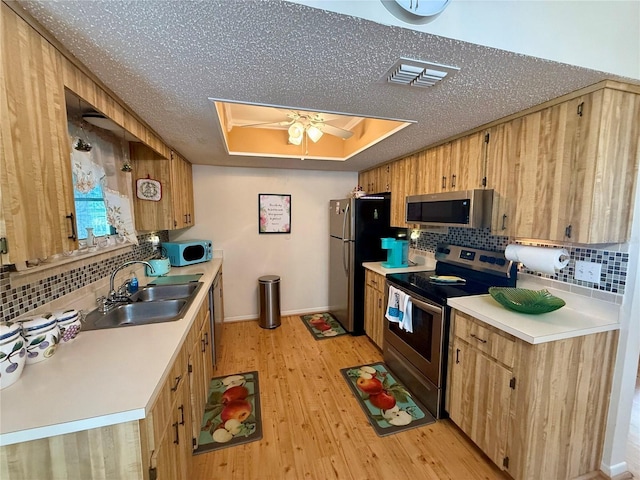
150	304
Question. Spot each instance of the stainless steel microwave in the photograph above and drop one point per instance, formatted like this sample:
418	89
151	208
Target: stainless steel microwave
465	208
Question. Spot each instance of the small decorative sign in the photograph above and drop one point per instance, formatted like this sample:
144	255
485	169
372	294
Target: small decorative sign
274	213
148	189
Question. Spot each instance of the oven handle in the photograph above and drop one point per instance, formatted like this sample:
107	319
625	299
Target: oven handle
426	306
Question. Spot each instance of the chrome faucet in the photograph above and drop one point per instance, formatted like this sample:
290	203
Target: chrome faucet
114	297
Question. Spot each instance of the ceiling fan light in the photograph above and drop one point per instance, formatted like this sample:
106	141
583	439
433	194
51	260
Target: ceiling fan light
295	140
295	131
314	133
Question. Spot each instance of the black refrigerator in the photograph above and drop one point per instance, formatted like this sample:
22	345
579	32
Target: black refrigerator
356	226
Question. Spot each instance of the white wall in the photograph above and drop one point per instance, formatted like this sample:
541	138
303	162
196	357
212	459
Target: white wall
226	210
598	34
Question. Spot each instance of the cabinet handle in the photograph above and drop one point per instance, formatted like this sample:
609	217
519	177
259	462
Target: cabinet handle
204	345
473	335
444	182
567	231
379	303
71	218
206	338
504	221
185	218
177	439
181	408
453	181
175	386
457	355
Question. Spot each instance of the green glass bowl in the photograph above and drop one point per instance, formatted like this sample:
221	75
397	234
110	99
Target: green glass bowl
526	301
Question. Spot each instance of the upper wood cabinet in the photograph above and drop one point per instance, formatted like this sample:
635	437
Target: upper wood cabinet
576	168
175	208
36	190
182	192
467	162
501	144
376	180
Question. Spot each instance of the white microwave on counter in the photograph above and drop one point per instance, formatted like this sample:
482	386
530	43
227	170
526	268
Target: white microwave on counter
188	252
464	208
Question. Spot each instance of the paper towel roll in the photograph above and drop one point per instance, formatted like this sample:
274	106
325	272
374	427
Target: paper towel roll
541	259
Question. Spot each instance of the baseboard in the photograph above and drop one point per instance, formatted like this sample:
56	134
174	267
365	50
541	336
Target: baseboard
619	471
246	318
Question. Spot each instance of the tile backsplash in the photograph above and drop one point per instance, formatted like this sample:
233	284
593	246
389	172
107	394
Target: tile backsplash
17	299
614	262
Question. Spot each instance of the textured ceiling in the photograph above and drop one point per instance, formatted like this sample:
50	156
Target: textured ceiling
165	59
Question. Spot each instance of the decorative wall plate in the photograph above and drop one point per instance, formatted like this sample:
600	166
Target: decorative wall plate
148	189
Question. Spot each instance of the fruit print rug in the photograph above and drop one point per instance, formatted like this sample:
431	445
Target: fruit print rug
389	406
232	413
323	326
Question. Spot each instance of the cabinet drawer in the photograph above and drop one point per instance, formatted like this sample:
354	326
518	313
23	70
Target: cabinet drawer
484	339
374	280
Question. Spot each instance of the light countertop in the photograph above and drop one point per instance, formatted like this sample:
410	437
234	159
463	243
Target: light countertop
101	378
426	264
580	316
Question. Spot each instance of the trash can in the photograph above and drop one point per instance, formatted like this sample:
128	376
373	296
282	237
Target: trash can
269	301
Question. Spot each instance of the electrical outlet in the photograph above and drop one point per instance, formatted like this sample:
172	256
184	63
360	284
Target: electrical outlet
588	271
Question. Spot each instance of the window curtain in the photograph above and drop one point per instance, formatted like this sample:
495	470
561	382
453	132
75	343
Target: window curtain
103	164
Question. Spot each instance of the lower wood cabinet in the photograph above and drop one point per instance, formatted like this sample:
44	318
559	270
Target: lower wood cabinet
537	411
160	446
374	307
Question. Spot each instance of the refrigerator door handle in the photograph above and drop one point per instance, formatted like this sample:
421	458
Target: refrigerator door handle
345	241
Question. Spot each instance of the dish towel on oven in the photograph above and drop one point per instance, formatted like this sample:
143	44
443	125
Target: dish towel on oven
399	309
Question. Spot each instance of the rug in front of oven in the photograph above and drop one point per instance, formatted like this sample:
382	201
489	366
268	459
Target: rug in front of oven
389	406
323	325
232	413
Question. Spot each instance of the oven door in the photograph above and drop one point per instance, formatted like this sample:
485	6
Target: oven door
422	348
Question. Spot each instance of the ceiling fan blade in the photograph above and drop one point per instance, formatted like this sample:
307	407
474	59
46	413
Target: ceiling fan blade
275	124
338	132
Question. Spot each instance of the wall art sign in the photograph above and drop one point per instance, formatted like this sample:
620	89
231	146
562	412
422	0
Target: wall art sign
274	213
148	189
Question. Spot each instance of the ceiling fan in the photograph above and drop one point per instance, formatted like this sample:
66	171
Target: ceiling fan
313	124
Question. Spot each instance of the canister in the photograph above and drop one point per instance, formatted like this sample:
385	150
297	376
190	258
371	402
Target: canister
42	335
13	353
69	323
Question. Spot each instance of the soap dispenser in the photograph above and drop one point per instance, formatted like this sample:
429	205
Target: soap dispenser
133	283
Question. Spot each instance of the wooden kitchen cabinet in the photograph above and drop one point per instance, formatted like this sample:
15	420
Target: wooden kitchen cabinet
37	215
182	192
502	143
200	368
376	180
176	207
401	172
467	162
538	411
374	307
576	169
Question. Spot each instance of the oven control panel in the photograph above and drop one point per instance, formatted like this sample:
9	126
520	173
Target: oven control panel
474	258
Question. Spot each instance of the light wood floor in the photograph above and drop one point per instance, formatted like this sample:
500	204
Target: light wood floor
313	427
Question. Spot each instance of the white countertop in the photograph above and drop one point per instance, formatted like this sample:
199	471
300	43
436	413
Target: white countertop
580	316
101	378
378	268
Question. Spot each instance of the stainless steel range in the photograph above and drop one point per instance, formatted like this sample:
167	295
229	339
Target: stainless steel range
419	359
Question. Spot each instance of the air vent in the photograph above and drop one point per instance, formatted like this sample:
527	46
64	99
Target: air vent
416	73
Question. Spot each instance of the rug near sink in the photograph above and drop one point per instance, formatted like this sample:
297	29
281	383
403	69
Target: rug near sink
232	413
323	325
388	405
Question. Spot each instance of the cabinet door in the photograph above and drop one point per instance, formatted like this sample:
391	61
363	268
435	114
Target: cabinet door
604	166
374	316
165	456
501	169
466	162
401	185
183	440
544	173
479	399
182	186
35	171
149	215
